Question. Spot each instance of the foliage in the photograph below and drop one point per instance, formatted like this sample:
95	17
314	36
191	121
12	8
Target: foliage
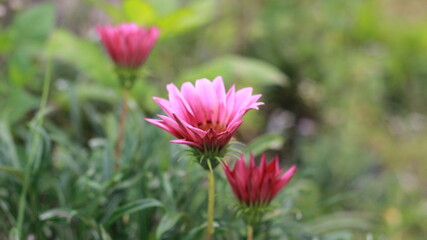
343	84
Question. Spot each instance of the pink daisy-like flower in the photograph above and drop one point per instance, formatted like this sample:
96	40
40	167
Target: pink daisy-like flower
204	116
256	186
128	44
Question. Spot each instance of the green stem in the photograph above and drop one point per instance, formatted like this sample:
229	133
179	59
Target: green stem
122	127
211	205
35	139
35	210
250	233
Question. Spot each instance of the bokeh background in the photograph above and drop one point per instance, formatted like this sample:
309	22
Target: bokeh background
344	86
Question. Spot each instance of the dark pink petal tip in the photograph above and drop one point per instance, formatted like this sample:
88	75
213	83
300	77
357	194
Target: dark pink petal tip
254	185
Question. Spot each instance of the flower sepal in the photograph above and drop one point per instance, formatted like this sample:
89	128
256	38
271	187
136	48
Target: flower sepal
252	214
127	77
208	158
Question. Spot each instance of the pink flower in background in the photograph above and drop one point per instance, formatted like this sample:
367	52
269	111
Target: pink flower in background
257	185
128	44
204	116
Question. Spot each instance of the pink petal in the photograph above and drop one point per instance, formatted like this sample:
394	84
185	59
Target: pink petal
127	44
204	113
183	141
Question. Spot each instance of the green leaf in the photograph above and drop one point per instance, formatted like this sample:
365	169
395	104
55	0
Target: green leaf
18	173
33	25
184	19
248	71
84	55
9	148
174	22
341	235
104	233
5	42
132	207
28	32
139	11
195	232
338	221
91	91
263	143
166	223
21	66
58	213
165	7
87	91
108	8
18	103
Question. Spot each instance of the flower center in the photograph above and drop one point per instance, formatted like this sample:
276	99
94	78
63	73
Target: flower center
214	125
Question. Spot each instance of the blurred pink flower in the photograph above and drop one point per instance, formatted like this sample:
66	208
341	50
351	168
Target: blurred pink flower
257	185
128	44
204	116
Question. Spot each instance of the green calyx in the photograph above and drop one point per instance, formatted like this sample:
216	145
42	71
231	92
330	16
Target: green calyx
252	214
127	77
209	159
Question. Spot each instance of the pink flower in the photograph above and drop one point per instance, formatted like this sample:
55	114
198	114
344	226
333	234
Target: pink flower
257	185
127	44
204	116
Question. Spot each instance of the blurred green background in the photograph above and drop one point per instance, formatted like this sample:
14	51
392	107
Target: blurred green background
344	86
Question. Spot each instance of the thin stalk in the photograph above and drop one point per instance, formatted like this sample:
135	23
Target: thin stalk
122	127
35	210
35	140
250	233
211	204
